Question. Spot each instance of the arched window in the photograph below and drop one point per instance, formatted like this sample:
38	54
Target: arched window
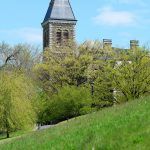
66	36
58	37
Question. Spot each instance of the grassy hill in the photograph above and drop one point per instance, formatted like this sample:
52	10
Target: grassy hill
122	127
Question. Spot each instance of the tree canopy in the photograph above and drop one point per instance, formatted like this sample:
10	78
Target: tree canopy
16	94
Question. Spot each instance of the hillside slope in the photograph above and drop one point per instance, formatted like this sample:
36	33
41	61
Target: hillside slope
123	127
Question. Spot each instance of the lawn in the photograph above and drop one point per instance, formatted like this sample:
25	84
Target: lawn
126	126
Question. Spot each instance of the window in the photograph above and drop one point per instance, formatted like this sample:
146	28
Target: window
58	37
66	36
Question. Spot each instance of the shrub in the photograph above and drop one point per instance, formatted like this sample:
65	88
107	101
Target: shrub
68	103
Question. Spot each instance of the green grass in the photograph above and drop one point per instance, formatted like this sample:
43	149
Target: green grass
122	127
12	135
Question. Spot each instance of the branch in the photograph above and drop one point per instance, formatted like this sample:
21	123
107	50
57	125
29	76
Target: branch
10	57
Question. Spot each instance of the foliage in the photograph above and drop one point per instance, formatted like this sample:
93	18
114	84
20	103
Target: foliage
41	107
103	92
61	67
20	56
16	94
132	75
51	74
66	76
85	63
68	103
99	74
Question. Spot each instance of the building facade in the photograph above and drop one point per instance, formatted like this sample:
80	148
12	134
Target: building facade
59	24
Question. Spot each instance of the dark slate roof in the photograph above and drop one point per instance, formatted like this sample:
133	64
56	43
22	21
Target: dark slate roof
59	10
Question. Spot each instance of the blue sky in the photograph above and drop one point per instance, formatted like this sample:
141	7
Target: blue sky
120	20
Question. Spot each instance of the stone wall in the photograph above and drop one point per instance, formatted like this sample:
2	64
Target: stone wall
52	29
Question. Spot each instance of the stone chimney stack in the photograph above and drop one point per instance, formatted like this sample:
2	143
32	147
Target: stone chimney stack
134	44
107	43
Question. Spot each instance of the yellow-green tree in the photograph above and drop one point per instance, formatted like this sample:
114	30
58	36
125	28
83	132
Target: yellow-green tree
16	95
61	67
132	74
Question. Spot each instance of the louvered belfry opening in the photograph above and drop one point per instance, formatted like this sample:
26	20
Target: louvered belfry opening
66	36
59	37
60	21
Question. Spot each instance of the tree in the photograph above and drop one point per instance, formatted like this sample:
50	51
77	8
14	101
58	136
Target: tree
132	74
61	67
21	56
16	109
103	88
99	74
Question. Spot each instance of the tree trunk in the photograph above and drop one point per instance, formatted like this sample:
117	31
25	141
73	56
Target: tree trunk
7	132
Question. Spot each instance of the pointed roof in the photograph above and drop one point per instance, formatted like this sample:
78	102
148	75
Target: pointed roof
59	10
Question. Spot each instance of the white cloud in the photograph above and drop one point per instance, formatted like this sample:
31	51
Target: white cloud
108	16
27	34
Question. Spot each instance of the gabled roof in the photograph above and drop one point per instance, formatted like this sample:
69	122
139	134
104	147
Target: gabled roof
59	10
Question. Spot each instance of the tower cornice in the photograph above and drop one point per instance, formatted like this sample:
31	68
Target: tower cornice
59	21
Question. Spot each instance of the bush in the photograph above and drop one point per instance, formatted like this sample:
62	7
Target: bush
68	103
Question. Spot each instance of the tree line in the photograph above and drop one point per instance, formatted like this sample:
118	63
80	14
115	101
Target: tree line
47	87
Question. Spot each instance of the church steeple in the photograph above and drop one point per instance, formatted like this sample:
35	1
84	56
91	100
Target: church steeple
61	10
59	23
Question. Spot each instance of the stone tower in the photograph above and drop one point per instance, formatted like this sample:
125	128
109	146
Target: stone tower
59	24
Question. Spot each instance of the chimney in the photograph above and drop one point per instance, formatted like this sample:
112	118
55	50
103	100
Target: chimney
107	43
134	44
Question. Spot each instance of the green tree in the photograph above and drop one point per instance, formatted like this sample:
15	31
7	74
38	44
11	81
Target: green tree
61	67
132	74
99	74
16	109
103	88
